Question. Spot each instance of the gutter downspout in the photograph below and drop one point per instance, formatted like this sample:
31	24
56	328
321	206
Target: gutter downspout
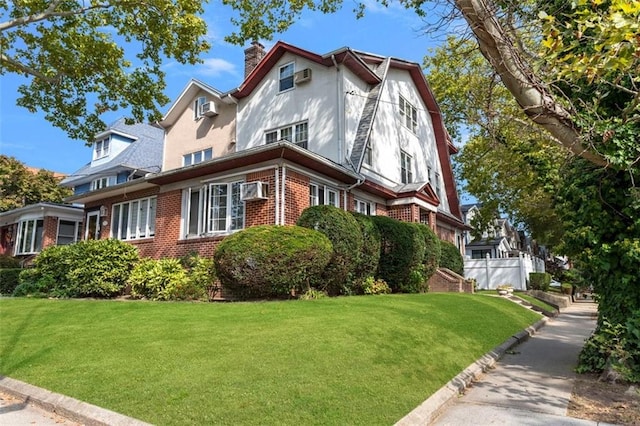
339	122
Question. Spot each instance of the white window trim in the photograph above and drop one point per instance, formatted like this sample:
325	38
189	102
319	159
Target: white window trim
193	154
76	231
293	72
204	228
134	232
303	143
20	243
196	106
406	172
102	182
408	115
360	204
327	190
102	153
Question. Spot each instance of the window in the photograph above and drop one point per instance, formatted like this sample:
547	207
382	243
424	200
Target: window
408	115
438	185
69	231
102	182
30	236
214	208
406	169
480	254
296	133
197	157
134	219
101	148
286	77
323	195
196	107
424	217
368	155
364	207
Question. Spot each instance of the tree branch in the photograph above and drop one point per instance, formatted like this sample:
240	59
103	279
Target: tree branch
26	69
48	14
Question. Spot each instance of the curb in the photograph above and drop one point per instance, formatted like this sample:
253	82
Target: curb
427	412
70	408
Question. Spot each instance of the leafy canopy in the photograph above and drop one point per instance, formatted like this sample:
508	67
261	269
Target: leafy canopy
77	56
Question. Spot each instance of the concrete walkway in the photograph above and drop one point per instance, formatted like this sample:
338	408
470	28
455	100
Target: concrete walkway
532	383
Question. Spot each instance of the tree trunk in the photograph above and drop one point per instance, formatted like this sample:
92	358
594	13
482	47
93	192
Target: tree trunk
516	74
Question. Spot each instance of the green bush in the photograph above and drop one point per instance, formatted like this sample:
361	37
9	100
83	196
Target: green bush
271	261
369	258
93	268
402	250
451	258
158	279
345	235
373	286
539	280
431	250
202	275
8	262
32	284
9	280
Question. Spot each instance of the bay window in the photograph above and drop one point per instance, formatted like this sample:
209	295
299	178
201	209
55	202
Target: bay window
29	236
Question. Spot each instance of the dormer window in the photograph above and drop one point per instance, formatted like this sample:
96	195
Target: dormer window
101	148
197	107
286	77
102	182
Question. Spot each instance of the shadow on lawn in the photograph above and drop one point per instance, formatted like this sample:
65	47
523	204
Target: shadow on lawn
11	356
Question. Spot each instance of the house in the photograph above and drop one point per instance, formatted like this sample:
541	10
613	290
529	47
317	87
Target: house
501	240
25	231
351	129
122	153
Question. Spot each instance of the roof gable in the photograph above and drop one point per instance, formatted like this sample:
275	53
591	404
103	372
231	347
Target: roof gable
184	99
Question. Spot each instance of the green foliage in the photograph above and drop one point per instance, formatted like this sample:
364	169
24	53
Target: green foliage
158	279
202	274
92	268
9	280
313	294
373	286
9	262
451	258
402	255
32	284
76	56
271	261
343	230
539	281
432	250
370	255
19	187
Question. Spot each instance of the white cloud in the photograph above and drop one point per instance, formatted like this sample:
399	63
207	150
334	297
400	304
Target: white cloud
215	67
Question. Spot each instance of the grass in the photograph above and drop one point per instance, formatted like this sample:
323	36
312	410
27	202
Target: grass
536	302
353	360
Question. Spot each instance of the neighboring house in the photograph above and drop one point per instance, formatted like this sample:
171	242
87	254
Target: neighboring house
27	230
350	129
499	241
122	153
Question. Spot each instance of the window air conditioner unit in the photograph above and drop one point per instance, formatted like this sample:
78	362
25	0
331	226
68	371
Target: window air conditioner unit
208	109
254	191
302	76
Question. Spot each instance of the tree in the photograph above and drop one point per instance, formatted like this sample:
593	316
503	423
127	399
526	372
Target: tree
73	56
20	187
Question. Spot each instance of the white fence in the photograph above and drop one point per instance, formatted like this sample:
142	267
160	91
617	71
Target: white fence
490	273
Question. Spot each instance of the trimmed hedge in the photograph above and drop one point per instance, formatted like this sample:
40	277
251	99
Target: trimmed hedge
8	262
271	260
367	265
9	280
92	268
402	254
431	253
539	280
343	230
451	258
158	279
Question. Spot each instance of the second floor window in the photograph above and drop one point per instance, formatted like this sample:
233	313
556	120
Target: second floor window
134	219
102	183
196	106
214	208
101	148
296	133
368	155
408	115
323	195
438	185
197	157
285	81
406	168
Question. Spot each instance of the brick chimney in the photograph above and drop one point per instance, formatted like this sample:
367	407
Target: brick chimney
252	57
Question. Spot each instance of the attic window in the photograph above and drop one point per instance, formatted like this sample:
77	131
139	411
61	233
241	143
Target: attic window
101	148
408	115
196	107
286	77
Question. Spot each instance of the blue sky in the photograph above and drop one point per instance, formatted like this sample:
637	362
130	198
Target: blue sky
391	31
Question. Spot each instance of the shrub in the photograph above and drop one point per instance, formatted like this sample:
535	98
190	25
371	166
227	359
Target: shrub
431	251
451	258
539	280
9	280
31	284
158	279
370	255
8	262
402	251
343	230
373	286
312	294
92	268
271	261
202	275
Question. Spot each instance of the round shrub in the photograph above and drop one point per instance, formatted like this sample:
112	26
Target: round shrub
345	235
271	261
159	279
402	251
451	258
370	255
8	262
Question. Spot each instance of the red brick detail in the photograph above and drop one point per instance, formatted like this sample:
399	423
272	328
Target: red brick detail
296	196
261	212
50	231
445	280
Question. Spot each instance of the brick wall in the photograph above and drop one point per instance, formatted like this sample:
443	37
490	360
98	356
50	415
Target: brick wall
50	231
445	280
261	212
297	196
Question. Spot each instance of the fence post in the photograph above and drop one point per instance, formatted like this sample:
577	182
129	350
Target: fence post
523	279
487	268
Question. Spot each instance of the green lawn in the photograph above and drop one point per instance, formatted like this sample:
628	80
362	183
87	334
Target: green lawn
351	360
536	302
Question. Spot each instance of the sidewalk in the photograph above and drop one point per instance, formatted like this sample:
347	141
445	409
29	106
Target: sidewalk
532	383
